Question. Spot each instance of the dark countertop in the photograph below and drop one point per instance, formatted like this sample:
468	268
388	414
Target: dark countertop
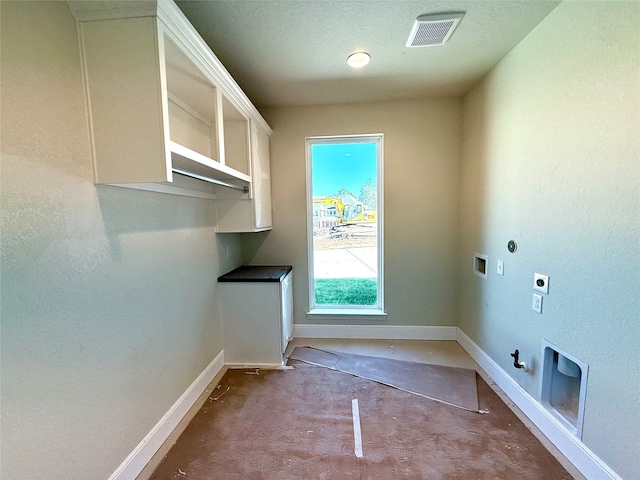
257	273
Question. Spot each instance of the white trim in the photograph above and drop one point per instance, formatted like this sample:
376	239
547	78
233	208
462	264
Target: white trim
309	215
263	366
386	332
146	449
378	140
93	11
346	314
587	462
380	219
165	188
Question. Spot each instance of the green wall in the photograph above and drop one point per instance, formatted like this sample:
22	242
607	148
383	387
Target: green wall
551	159
109	304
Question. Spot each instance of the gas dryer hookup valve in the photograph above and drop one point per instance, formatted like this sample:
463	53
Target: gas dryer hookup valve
517	363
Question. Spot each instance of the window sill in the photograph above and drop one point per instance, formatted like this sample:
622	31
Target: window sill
346	314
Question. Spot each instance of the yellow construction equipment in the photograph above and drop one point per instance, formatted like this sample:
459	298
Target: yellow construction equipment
346	209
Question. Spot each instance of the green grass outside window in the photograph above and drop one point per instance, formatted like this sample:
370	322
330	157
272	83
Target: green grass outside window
346	291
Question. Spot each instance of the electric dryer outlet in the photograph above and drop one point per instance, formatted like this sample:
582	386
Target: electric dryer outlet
541	283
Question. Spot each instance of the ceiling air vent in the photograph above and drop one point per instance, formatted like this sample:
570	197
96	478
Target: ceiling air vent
431	30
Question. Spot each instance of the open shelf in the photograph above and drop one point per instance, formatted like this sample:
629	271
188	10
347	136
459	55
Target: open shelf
191	161
192	102
209	135
236	137
165	114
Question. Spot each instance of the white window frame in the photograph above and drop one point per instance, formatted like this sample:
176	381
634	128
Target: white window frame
363	312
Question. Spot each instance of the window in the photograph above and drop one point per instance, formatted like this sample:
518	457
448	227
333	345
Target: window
345	225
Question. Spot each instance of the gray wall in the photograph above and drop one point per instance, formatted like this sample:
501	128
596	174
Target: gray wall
109	307
551	159
421	161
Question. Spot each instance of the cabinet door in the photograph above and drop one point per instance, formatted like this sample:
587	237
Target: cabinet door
251	314
286	290
261	177
123	77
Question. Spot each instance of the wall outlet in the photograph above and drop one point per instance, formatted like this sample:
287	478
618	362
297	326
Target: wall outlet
500	268
536	305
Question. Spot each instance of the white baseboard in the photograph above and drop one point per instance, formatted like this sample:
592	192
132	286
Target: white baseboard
136	461
263	366
569	445
382	332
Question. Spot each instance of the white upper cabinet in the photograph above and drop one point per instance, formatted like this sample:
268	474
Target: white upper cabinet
262	177
239	213
165	114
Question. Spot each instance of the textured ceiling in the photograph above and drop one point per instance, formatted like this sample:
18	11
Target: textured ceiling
285	53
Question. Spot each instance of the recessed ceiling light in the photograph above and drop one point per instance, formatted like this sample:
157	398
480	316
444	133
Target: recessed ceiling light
358	59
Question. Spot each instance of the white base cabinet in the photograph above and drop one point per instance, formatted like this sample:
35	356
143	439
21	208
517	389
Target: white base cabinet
257	315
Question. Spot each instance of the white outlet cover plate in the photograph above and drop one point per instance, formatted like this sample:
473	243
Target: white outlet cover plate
536	304
500	268
545	278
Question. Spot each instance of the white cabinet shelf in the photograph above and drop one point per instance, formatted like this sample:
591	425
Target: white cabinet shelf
160	101
186	159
